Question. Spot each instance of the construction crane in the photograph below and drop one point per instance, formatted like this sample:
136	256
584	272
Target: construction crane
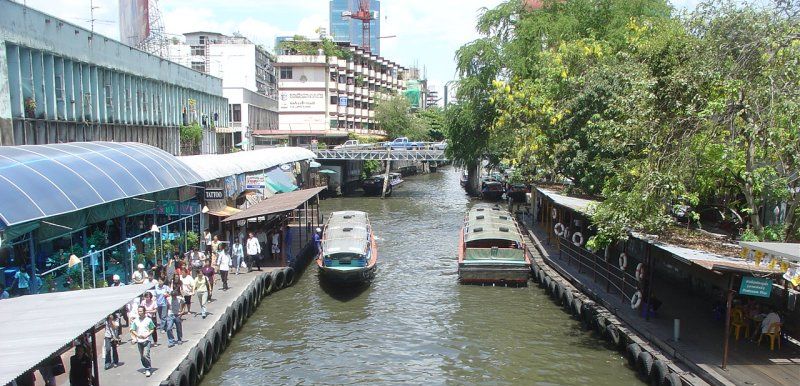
364	14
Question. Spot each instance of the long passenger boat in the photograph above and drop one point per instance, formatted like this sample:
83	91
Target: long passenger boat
491	248
349	254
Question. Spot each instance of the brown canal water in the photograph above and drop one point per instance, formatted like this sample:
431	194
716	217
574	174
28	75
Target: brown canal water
415	324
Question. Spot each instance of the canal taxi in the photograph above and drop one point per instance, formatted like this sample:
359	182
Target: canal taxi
491	248
349	254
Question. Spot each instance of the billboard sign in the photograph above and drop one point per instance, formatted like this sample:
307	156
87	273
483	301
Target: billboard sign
256	181
134	21
301	101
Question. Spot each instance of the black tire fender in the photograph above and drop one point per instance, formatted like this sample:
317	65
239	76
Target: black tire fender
568	298
267	284
189	373
614	336
198	357
644	364
658	372
278	278
240	312
290	277
208	349
216	334
235	321
222	326
543	280
175	377
672	379
632	353
600	322
577	307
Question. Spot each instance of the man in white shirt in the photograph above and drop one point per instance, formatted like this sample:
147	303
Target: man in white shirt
187	290
141	330
772	317
139	275
253	249
224	266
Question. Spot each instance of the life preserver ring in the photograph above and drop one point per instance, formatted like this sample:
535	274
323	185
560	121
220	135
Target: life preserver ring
559	229
623	261
639	272
554	213
577	239
636	300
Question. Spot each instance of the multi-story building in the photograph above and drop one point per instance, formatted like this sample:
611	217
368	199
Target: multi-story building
63	83
328	96
346	29
248	81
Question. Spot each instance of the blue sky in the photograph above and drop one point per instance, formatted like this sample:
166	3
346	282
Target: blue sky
428	31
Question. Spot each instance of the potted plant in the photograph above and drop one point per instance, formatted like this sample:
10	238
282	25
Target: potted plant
30	107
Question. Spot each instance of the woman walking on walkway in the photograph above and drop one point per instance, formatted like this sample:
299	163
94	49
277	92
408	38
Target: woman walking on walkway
238	254
201	289
187	290
208	271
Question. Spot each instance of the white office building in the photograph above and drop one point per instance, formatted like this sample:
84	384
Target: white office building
326	96
248	81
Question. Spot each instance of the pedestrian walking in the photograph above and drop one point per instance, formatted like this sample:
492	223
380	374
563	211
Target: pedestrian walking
80	367
140	274
175	305
161	293
201	289
187	290
112	340
318	240
208	271
196	259
253	250
141	329
238	254
214	246
151	310
224	265
207	241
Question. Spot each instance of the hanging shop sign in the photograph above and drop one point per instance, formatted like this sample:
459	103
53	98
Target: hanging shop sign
214	194
256	181
756	286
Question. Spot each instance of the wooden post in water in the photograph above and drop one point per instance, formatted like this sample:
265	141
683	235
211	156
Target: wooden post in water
386	175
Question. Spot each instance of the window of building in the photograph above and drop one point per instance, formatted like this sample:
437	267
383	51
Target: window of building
334	77
199	66
334	99
349	102
350	81
236	112
198	50
342	78
286	73
203	39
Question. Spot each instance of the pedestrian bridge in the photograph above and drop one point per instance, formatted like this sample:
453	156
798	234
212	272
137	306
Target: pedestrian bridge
381	155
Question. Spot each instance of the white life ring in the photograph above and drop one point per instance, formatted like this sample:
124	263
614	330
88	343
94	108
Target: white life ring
639	272
577	239
623	261
559	229
554	213
636	300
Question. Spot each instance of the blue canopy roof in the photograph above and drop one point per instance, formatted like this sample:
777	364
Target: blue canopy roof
38	181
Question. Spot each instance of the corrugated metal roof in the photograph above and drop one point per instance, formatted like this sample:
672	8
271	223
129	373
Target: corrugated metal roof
789	251
279	203
577	204
346	232
34	327
490	221
213	166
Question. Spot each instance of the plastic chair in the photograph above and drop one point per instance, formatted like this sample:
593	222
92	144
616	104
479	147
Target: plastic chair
774	332
738	322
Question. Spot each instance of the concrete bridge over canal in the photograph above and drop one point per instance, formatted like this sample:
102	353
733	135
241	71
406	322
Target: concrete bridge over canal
428	155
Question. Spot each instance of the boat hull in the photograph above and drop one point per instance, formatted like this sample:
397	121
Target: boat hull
493	274
350	277
375	189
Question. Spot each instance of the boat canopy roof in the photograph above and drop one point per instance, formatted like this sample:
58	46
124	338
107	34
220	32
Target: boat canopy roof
488	222
346	232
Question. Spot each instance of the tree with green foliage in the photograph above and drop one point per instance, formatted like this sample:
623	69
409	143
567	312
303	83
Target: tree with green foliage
393	116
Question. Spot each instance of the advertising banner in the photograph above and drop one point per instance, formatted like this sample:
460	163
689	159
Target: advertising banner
255	181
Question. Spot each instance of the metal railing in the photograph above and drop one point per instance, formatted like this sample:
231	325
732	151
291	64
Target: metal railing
602	270
120	258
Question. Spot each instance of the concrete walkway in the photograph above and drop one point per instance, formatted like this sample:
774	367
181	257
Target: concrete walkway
700	345
165	360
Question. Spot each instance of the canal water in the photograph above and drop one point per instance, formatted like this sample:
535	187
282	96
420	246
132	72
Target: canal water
415	324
